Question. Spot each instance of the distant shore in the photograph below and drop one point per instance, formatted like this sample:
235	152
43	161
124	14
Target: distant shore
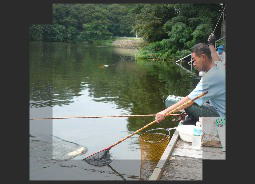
128	42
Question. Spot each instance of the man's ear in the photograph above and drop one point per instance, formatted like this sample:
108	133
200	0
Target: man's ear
204	57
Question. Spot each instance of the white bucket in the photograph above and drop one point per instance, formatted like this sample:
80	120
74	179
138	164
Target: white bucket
186	132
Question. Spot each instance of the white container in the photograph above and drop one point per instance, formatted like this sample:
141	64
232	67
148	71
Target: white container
186	132
198	124
196	138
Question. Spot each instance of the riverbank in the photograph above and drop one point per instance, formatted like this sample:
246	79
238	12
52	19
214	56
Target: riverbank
121	42
128	42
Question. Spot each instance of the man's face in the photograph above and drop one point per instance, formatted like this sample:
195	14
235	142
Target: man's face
198	61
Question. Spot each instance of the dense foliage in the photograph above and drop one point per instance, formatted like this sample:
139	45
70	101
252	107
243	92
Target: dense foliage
85	22
170	30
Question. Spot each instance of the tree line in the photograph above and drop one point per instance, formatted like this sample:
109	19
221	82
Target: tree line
169	30
85	22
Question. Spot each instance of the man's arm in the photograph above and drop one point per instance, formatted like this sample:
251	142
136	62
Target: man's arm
161	115
211	43
214	54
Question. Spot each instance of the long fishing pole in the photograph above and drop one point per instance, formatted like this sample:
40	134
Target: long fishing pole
113	116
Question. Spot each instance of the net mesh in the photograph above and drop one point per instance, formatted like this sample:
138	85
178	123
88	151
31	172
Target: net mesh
99	159
153	144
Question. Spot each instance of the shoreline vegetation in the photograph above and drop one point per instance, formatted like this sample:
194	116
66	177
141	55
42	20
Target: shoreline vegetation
160	32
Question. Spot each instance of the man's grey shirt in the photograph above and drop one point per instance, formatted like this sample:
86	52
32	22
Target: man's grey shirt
213	81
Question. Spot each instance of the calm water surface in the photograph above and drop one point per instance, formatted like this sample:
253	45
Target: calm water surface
73	80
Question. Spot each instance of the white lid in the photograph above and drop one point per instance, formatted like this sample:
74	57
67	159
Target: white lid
199	124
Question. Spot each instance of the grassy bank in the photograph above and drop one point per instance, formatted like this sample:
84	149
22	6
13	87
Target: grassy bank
161	51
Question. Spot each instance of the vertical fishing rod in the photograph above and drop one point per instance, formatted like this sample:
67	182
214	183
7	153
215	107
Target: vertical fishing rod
219	19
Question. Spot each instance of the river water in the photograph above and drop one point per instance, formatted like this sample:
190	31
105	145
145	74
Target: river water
75	79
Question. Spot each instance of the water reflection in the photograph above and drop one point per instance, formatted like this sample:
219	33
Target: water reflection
59	72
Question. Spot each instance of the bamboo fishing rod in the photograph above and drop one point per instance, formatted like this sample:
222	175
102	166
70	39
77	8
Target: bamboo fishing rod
114	116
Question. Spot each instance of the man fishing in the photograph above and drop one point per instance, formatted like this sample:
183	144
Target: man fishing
212	81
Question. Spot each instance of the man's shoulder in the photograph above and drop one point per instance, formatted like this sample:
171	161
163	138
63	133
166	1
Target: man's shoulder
217	70
215	75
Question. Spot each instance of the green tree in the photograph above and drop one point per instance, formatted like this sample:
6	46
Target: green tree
151	19
94	31
36	32
186	25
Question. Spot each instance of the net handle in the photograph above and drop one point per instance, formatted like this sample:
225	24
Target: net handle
153	122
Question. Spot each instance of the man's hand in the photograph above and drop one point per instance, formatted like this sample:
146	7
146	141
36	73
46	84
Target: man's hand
173	108
211	39
160	116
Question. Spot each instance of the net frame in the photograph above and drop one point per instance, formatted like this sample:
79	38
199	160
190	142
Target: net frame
153	131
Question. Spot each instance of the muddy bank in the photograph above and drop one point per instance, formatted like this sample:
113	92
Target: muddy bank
129	43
